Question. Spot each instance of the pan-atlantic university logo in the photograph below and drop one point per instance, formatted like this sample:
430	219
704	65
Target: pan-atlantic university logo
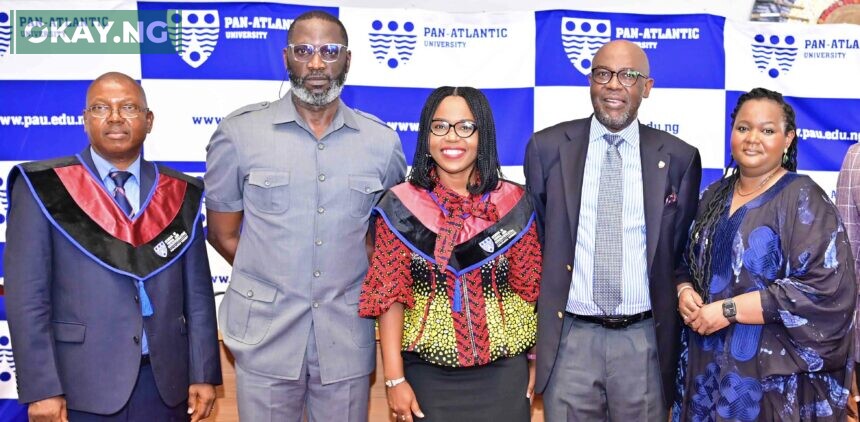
194	34
582	38
392	42
774	54
5	33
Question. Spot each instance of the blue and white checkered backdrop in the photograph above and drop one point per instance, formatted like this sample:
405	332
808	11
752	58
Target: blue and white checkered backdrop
531	64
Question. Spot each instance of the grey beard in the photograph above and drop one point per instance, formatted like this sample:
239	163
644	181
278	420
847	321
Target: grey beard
316	100
606	120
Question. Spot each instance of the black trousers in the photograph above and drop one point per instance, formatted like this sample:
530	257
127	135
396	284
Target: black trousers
495	392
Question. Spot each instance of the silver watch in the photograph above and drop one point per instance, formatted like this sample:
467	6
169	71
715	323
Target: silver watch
394	382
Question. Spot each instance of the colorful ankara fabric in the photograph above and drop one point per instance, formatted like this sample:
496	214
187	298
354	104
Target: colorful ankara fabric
789	245
477	308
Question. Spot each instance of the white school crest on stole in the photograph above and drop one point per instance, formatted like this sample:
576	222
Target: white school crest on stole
160	249
488	245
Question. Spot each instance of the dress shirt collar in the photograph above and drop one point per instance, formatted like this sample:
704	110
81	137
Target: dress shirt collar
104	167
629	133
285	112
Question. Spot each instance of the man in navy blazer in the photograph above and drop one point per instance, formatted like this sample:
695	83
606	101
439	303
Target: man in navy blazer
611	362
108	290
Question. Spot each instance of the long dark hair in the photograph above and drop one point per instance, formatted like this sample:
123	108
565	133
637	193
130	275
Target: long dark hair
702	232
486	165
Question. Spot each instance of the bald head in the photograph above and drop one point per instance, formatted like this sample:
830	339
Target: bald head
116	77
623	51
616	106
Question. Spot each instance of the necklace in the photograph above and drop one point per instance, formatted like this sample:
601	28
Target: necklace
763	182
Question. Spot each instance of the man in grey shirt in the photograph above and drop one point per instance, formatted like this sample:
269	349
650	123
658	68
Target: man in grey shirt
289	188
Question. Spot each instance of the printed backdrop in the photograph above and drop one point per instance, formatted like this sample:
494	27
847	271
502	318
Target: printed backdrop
531	64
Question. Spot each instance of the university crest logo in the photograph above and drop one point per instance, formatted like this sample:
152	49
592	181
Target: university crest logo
488	245
160	249
581	38
194	34
392	43
5	33
774	54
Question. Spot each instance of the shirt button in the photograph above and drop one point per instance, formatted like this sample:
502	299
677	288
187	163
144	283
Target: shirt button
267	183
318	242
136	299
560	315
317	273
320	147
316	305
366	189
320	210
136	340
249	293
321	178
569	268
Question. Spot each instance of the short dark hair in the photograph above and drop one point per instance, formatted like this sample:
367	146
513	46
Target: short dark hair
321	15
487	163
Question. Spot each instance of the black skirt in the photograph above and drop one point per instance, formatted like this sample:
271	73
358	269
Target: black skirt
495	392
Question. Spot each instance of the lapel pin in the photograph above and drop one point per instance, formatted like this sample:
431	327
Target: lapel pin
661	164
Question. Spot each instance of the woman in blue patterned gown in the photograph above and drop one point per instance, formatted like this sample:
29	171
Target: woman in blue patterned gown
771	300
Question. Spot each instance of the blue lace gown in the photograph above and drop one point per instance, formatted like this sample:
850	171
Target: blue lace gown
790	245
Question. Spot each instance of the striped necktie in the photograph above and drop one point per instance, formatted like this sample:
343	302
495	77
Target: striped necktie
119	178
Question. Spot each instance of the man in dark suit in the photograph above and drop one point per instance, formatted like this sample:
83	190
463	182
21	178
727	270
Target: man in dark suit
108	290
614	199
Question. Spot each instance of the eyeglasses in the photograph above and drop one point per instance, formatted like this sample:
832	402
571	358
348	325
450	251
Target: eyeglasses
463	128
305	52
127	111
626	77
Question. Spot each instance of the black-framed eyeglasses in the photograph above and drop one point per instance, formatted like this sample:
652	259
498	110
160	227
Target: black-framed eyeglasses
463	128
328	52
126	111
626	77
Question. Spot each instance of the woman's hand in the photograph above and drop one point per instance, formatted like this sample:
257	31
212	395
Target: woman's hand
708	319
401	400
530	390
689	302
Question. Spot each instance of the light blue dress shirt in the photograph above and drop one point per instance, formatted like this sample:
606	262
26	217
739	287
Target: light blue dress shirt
132	185
132	193
634	283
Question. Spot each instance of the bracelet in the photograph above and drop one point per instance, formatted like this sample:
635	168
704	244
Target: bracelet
394	382
682	290
531	356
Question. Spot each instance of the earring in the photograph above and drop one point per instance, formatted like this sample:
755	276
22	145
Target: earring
785	156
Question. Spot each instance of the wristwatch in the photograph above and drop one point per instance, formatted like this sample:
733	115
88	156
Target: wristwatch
394	382
730	311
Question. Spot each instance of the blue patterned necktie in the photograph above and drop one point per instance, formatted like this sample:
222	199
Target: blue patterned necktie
608	252
119	178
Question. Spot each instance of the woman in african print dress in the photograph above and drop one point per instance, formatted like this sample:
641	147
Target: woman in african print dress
454	274
770	307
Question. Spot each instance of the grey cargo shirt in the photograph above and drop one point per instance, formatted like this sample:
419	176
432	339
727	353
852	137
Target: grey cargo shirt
301	257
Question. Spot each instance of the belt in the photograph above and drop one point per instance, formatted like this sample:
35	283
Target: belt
144	360
613	322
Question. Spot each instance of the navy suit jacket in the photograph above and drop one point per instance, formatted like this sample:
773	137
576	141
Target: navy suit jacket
554	168
76	325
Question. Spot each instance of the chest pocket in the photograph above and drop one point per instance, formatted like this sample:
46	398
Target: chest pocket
269	190
361	193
